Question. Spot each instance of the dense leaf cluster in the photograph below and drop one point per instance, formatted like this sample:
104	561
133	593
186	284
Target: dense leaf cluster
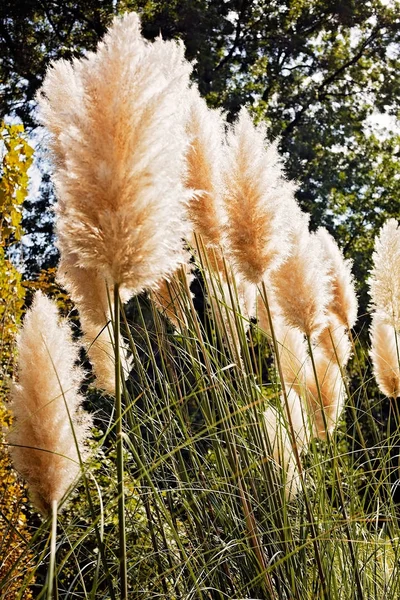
320	73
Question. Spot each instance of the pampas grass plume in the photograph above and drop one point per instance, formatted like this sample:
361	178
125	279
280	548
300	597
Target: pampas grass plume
385	274
293	356
385	346
344	302
204	154
334	341
326	404
91	295
302	283
281	444
255	193
42	443
119	147
170	296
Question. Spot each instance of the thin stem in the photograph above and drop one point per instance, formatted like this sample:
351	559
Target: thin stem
120	450
52	589
335	466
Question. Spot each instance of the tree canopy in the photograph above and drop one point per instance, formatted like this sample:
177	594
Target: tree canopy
319	72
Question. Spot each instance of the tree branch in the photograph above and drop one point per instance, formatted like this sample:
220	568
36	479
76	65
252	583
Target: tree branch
228	56
316	93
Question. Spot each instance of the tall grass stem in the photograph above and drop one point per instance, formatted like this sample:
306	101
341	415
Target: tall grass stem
120	450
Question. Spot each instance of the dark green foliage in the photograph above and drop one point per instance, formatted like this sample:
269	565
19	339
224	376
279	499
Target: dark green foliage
315	71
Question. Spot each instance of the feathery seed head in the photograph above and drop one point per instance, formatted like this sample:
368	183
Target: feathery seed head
92	295
302	283
327	407
385	275
43	448
344	299
293	356
169	296
334	341
262	312
385	348
119	155
205	131
280	441
255	193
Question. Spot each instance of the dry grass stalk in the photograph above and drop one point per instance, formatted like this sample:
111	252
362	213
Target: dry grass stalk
43	448
119	148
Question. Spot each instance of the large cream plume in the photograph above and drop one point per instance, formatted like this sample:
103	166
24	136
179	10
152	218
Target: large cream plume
321	393
344	304
334	341
205	130
171	295
302	284
384	281
281	440
384	285
385	349
93	296
119	149
325	394
46	406
255	193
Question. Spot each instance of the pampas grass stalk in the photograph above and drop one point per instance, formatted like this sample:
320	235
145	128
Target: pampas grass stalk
120	450
52	581
119	161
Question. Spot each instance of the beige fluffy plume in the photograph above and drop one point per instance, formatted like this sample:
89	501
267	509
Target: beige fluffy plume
301	284
331	354
385	348
43	448
90	293
293	356
119	146
205	132
324	406
384	281
334	341
277	428
255	193
344	302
